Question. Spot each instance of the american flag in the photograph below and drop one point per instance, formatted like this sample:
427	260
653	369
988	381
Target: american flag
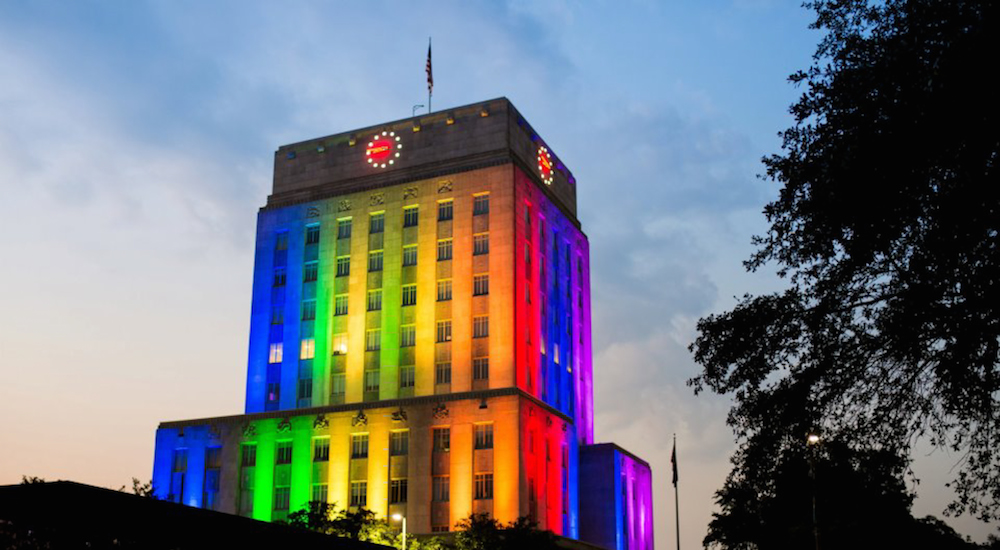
430	73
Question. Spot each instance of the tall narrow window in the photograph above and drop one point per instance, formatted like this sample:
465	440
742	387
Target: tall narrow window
343	266
312	234
359	446
283	454
444	249
344	228
277	314
373	339
407	376
409	255
307	349
340	304
481	368
480	326
371	380
481	285
484	486
399	443
375	260
376	223
444	290
410	216
308	310
310	272
281	241
444	331
442	372
359	493
279	276
375	299
483	436
442	440
339	343
481	244
445	210
481	204
409	295
407	336
321	449
397	491
441	488
338	385
274	353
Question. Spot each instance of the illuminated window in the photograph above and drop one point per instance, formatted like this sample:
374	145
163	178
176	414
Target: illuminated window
444	331
308	310
407	377
307	349
359	446
359	493
399	443
338	385
343	266
312	234
274	353
484	486
407	336
279	276
375	260
444	290
344	228
481	285
483	436
444	249
340	304
373	339
481	204
409	255
409	295
375	299
555	353
321	449
283	454
442	440
442	372
441	488
281	498
310	272
481	244
376	223
397	491
339	343
480	326
371	380
281	241
445	210
481	368
410	216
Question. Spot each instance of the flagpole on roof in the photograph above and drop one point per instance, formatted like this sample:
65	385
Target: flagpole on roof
430	76
677	500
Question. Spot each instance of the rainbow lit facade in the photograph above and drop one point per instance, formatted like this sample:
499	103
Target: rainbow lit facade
419	339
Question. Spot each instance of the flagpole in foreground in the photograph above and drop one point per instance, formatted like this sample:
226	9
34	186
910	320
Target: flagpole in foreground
677	499
430	76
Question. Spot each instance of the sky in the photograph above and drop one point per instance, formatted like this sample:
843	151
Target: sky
136	146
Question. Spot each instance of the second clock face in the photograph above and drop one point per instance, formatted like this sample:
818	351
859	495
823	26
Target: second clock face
545	165
383	149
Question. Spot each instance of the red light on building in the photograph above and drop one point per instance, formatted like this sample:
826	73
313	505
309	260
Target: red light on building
545	165
383	149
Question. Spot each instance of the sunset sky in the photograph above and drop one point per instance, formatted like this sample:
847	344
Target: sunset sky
136	146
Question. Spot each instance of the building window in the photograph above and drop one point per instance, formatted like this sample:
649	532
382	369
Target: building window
399	443
310	272
277	314
305	392
480	326
320	492
321	449
248	456
407	336
444	290
283	455
480	285
274	353
442	372
178	475
409	255
481	368
307	348
441	488
338	385
281	498
442	440
409	295
445	210
483	436
281	241
340	343
279	276
344	228
340	304
375	260
484	486
359	446
375	299
309	310
376	223
373	339
312	234
343	266
444	331
371	380
411	216
481	244
444	249
481	204
397	491
359	493
407	377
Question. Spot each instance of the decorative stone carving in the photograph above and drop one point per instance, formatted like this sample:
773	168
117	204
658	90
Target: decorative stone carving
321	421
312	212
444	186
360	419
344	205
285	425
249	430
440	412
376	199
399	416
410	193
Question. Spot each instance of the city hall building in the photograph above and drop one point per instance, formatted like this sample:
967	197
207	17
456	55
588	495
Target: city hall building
419	341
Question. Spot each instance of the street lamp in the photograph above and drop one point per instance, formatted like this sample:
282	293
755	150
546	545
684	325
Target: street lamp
401	517
812	441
